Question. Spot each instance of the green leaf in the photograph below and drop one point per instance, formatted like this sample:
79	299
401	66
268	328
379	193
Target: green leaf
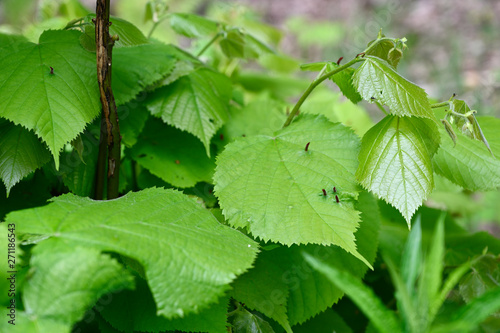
254	48
128	34
176	157
376	78
303	283
464	119
280	86
196	103
326	322
385	50
314	66
135	68
244	321
26	324
68	279
395	161
21	153
249	120
274	188
56	106
384	319
192	26
133	117
411	258
260	289
197	275
233	44
431	278
470	164
328	103
343	80
135	310
471	315
484	276
78	175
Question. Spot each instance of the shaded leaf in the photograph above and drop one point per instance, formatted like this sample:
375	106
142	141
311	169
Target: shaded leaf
198	274
326	322
343	80
384	319
77	174
197	103
21	153
135	310
470	164
176	157
261	289
133	117
68	279
244	321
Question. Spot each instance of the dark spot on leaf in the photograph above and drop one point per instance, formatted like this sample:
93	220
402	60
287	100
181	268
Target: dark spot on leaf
177	162
243	135
51	71
337	198
221	137
324	192
307	146
142	155
210	120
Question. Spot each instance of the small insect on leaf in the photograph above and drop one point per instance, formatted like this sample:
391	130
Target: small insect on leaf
221	137
337	198
307	146
340	59
334	190
324	192
177	162
449	130
51	71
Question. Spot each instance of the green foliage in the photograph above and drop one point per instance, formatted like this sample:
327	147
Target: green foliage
281	213
377	81
197	276
395	161
196	103
61	100
264	203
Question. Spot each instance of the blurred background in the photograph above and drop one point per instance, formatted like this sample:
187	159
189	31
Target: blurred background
454	47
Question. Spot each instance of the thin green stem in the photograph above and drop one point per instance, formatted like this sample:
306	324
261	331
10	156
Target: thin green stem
440	105
208	44
381	108
153	28
313	85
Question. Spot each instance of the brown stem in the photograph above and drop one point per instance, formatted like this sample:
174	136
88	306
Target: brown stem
110	130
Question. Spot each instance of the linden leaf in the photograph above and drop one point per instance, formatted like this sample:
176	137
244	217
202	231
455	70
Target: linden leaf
395	161
49	87
375	79
280	192
21	153
183	279
197	103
